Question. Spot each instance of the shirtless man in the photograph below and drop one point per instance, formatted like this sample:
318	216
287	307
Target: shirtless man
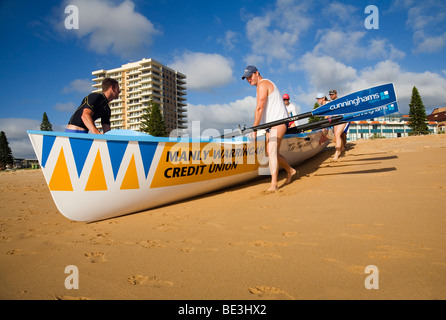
269	108
95	106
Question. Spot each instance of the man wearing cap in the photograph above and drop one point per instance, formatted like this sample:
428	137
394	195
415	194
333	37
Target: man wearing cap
340	131
333	94
291	109
269	108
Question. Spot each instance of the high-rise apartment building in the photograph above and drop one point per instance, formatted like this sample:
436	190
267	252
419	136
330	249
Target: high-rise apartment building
141	82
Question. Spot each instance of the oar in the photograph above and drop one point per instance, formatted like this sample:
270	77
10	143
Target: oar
356	116
353	102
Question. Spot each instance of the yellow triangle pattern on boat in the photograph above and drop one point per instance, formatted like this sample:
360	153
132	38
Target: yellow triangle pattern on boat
130	180
96	181
60	180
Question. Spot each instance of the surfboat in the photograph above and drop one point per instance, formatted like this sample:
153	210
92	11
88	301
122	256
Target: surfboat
94	177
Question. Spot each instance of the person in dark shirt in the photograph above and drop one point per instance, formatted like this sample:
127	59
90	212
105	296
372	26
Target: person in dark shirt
95	106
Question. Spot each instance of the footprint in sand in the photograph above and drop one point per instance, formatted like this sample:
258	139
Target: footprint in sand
64	297
150	244
165	227
5	238
270	293
260	255
149	281
355	269
289	234
14	252
95	257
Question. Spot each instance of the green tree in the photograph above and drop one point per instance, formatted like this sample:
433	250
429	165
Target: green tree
417	114
5	151
315	118
46	124
152	121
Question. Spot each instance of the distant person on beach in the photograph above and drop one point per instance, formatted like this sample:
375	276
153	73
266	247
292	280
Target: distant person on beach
321	99
291	108
340	131
269	108
95	106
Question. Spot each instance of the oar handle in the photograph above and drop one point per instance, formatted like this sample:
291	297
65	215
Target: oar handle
279	122
316	125
268	125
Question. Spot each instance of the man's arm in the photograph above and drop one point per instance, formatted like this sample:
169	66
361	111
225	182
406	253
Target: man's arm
262	98
106	127
87	118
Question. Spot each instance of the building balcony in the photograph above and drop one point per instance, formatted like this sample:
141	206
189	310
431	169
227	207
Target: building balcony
182	120
99	73
151	80
181	80
133	103
134	115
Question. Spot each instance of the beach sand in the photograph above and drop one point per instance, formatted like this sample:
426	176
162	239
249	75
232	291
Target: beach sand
382	205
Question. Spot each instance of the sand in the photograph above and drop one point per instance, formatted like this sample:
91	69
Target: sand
381	205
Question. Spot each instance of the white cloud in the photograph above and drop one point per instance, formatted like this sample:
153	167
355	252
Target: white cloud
223	116
110	28
429	84
204	71
16	133
325	73
83	86
65	107
427	19
254	59
339	15
230	39
217	119
275	34
333	43
427	44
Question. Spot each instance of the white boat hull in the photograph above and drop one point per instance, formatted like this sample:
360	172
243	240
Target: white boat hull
95	177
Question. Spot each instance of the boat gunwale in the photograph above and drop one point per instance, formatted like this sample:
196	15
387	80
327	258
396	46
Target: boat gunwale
148	138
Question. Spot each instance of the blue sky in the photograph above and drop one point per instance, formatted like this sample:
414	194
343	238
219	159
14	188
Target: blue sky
304	46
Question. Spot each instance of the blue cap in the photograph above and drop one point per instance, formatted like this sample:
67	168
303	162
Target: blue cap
249	70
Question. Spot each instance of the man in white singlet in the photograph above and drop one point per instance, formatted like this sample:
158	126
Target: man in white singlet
269	108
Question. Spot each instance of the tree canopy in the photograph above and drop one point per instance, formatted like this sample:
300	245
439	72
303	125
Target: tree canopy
312	119
46	124
417	114
5	151
152	121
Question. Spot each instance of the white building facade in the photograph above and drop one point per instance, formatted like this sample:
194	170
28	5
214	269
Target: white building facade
391	126
141	82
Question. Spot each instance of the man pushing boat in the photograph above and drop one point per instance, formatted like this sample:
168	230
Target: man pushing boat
95	106
270	108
